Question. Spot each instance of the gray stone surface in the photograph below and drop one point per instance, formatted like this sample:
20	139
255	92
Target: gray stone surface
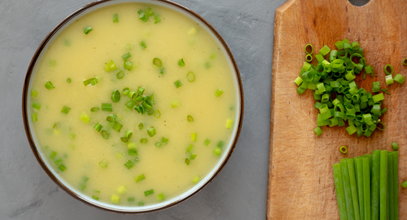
238	192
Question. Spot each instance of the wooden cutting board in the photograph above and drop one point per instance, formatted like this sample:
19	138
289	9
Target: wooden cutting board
300	173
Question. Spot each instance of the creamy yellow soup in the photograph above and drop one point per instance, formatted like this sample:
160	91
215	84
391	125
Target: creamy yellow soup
133	104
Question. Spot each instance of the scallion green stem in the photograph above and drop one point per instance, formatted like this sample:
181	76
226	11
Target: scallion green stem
353	187
395	186
340	194
366	187
390	189
383	185
346	185
375	184
360	184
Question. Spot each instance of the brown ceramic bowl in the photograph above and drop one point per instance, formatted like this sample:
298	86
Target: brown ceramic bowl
59	180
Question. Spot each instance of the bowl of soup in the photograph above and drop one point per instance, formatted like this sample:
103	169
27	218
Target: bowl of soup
132	105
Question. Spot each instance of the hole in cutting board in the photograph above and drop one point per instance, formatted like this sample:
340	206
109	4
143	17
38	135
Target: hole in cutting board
359	2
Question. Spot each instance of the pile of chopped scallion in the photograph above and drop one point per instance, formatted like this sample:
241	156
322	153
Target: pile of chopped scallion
337	96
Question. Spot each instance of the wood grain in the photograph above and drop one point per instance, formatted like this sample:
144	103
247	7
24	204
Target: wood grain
300	173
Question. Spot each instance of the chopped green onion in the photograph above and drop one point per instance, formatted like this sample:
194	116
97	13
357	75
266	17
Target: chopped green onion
369	69
318	131
181	62
219	92
87	29
157	19
336	92
121	190
175	104
91	81
117	126
308	58
84	118
376	86
128	65
34	93
36	106
190	118
65	109
126	91
126	136
49	85
207	142
157	62
343	149
178	83
196	179
68	80
143	45
140	203
129	164
217	151
308	49
395	146
115	199
94	109
191	76
404	184
145	14
115	96
105	134
143	140
120	74
115	18
107	107
324	50
103	164
149	192
83	183
140	126
140	178
377	98
163	141
298	81
161	197
207	65
126	56
399	78
220	144
151	131
194	136
131	199
389	79
229	123
132	150
388	69
110	66
34	116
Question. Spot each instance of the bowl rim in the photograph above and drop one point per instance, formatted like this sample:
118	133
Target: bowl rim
43	45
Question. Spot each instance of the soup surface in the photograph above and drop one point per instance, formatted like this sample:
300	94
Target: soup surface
133	104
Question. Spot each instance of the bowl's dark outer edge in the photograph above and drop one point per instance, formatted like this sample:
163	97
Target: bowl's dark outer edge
30	71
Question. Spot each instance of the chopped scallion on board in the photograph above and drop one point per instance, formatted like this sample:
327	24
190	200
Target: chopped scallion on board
339	100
